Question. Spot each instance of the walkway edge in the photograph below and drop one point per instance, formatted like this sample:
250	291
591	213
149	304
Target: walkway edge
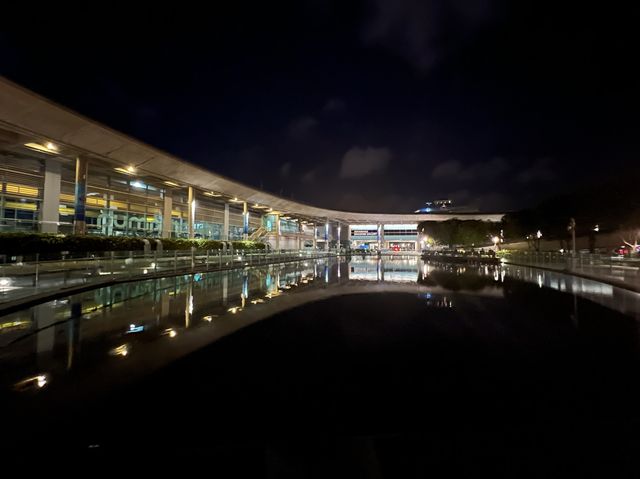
612	282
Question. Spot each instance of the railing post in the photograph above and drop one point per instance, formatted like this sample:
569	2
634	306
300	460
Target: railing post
207	262
193	259
175	260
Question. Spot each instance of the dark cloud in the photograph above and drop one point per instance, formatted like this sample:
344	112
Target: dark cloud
285	169
300	128
334	105
359	162
454	170
309	176
424	31
540	171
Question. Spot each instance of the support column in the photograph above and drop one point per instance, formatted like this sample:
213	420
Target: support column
339	236
245	221
277	217
166	214
50	214
326	236
82	173
191	216
225	223
315	237
382	237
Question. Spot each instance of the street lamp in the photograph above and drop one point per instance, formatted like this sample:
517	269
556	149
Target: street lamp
572	228
495	240
538	236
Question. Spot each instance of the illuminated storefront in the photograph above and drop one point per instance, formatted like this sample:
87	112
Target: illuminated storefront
400	237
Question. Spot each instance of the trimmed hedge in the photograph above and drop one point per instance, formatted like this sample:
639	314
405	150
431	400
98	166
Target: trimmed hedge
14	244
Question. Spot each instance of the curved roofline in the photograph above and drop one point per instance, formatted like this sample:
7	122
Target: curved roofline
26	112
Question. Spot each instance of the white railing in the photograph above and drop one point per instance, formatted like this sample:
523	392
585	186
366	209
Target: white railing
598	266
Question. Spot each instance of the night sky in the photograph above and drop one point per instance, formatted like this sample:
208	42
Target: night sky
375	105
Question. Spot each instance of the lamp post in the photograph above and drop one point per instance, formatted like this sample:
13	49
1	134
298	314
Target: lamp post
495	240
538	236
592	238
572	228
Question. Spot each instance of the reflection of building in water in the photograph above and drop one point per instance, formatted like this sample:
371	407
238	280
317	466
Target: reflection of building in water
393	270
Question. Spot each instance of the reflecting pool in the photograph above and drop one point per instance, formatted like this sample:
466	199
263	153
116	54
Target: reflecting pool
399	363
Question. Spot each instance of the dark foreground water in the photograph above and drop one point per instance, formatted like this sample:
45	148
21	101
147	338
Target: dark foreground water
350	369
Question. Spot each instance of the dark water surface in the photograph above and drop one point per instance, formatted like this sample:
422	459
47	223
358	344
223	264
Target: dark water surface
342	369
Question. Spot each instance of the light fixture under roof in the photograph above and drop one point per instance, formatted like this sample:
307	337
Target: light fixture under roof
129	170
235	199
171	183
48	147
213	194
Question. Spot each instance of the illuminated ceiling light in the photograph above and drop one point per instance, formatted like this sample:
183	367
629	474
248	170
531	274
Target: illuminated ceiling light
126	171
213	194
49	147
235	199
171	183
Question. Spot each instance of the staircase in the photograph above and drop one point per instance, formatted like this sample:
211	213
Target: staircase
258	233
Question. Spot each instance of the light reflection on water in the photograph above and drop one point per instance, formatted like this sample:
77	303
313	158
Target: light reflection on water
116	321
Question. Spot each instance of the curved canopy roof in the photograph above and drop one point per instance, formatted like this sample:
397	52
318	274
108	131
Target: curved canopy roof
31	117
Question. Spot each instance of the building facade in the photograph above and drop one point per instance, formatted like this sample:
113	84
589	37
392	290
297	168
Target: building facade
63	173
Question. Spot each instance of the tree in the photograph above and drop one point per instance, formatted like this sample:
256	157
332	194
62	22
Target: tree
460	232
631	237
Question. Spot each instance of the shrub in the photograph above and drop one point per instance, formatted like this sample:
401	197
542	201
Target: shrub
48	245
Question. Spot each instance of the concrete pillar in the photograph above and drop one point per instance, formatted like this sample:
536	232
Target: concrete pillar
315	237
277	231
326	236
191	216
50	214
225	223
166	214
382	237
339	236
245	221
82	174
